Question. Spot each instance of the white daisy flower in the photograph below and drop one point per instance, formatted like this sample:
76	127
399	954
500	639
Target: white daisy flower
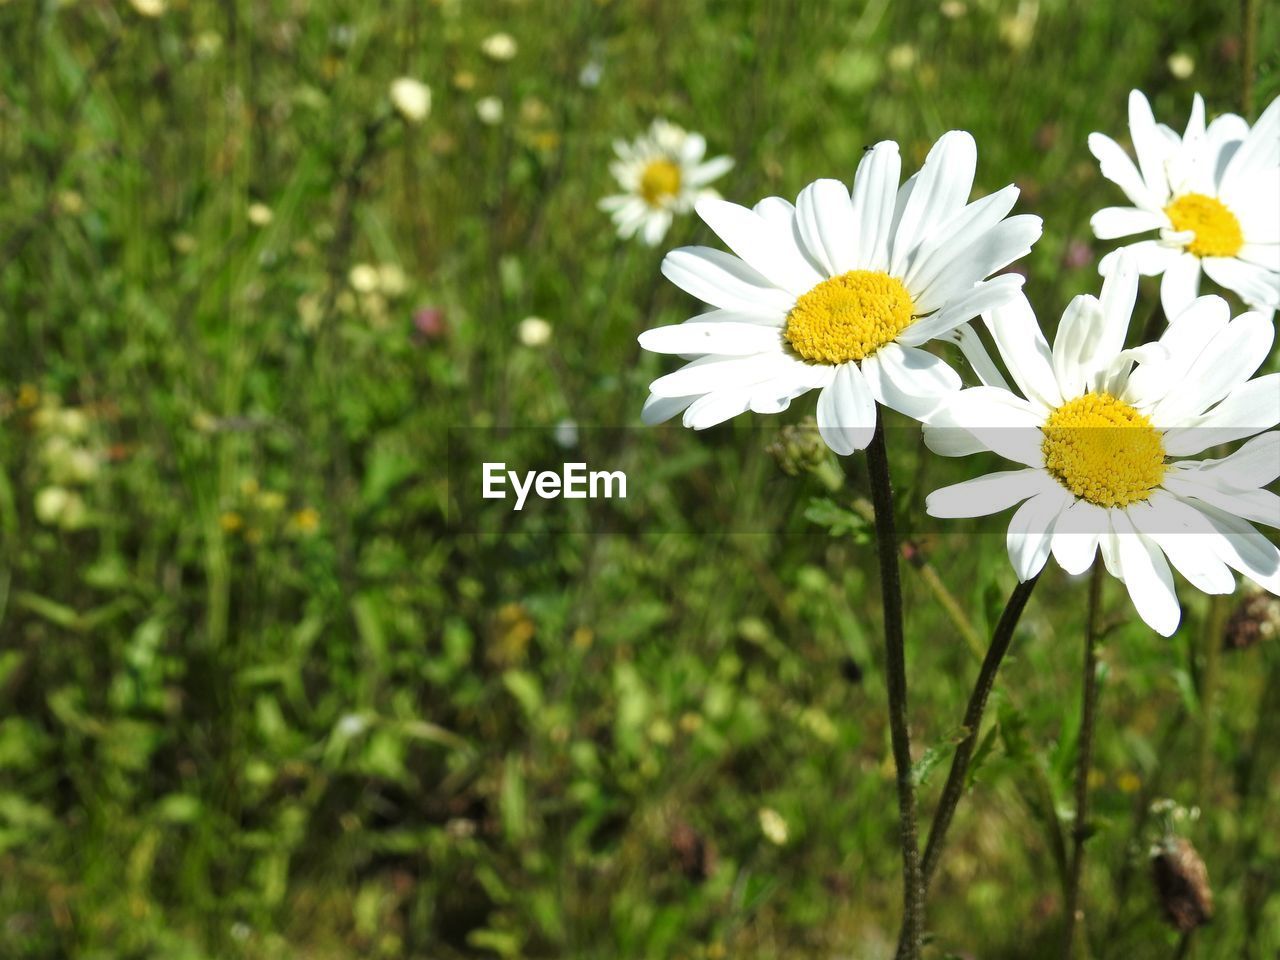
1097	436
663	173
1213	194
838	293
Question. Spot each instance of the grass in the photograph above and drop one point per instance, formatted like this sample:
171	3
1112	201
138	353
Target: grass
260	697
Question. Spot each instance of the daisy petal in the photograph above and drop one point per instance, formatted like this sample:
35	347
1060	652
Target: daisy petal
1255	464
660	409
1026	353
1147	577
824	216
988	295
1030	531
875	187
846	411
722	280
725	338
1151	257
986	495
771	254
1257	286
1111	222
940	192
1119	169
1248	409
997	248
1076	536
1181	283
1228	360
909	380
1243	548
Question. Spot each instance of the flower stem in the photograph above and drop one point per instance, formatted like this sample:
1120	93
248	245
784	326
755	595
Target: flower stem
1248	53
896	677
954	789
1084	761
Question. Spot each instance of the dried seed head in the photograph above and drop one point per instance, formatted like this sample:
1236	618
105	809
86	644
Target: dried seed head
694	853
1255	618
1182	884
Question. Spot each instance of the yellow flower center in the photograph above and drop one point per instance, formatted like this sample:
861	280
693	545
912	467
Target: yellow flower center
1103	450
659	181
848	317
1217	231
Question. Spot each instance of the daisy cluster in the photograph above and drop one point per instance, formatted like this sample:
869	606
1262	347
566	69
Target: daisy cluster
843	290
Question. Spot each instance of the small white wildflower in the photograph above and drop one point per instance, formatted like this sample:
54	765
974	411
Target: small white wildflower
260	214
500	47
773	826
566	433
391	280
411	98
1181	65
489	110
901	58
149	8
363	278
589	76
534	332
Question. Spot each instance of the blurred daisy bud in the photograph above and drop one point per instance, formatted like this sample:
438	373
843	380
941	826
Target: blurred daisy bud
411	98
1181	65
148	8
1182	884
500	47
1255	618
260	214
798	448
363	278
534	332
489	110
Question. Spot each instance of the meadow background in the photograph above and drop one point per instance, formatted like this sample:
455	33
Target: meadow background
260	699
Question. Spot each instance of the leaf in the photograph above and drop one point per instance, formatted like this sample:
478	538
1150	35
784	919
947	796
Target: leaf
839	521
922	768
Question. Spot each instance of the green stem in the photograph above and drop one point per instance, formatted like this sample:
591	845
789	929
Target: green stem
1084	762
956	779
896	677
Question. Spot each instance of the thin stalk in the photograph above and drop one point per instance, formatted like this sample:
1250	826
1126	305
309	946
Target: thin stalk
896	678
1084	762
954	789
1248	53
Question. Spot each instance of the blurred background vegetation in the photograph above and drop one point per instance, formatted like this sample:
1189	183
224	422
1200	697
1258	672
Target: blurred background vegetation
259	700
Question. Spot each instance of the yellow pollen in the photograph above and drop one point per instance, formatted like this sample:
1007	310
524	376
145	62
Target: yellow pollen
1103	450
659	181
1217	231
848	317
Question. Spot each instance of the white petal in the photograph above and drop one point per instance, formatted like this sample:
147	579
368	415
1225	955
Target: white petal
1030	535
1181	283
717	373
875	188
1119	169
1151	147
1248	409
1151	257
1111	222
997	248
824	216
656	226
1262	255
1260	151
975	351
1073	346
1178	529
988	295
660	409
909	380
1119	294
717	407
1255	464
963	229
1228	360
1259	506
721	279
1243	548
725	338
986	495
1146	575
1257	286
1183	340
846	411
704	173
770	252
940	191
1003	422
1076	536
1026	353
